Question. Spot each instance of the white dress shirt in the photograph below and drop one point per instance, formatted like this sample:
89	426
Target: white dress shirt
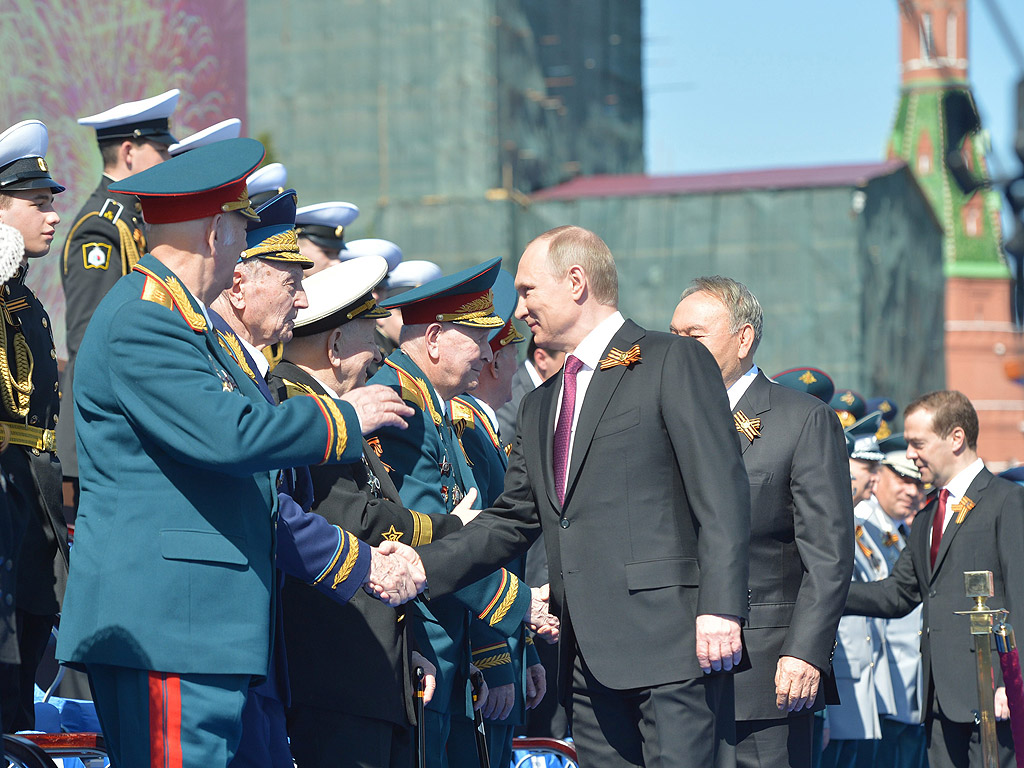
740	386
589	352
262	364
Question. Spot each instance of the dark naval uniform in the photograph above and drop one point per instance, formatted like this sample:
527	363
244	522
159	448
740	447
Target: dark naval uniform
351	674
104	243
29	411
503	661
430	472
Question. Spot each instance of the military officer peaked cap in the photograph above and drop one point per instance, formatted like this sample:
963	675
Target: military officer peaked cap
895	449
374	246
225	129
505	301
464	298
849	405
412	274
813	381
266	182
145	119
1014	475
324	223
272	236
197	184
341	293
865	444
22	149
886	405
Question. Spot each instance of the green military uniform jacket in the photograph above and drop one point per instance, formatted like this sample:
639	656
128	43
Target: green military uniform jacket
430	472
179	452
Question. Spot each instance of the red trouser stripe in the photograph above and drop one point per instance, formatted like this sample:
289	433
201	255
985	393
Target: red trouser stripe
164	720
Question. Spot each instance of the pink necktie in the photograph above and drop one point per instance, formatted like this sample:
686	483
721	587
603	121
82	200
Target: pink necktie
940	515
563	429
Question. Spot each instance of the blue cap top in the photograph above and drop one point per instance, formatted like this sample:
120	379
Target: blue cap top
464	298
813	381
886	405
273	237
849	405
1013	474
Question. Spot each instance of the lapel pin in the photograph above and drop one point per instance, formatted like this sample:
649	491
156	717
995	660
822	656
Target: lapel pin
962	508
618	357
750	428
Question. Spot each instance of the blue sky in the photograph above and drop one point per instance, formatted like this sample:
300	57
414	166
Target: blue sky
744	84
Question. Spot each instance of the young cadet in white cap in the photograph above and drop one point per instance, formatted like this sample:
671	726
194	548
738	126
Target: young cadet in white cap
225	129
321	229
108	235
29	412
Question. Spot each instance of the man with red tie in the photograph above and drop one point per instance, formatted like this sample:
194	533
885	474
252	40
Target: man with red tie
974	522
629	462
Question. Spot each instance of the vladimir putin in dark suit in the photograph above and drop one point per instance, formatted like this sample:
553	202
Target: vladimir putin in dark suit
801	529
629	461
974	523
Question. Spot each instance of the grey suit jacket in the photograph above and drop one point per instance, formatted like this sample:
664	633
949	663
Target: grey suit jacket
990	538
521	384
801	539
654	529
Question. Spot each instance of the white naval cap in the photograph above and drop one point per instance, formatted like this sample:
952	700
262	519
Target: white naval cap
324	223
341	293
225	129
270	178
142	119
412	274
22	149
373	246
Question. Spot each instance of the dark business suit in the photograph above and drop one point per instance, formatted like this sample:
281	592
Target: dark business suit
801	560
989	538
653	531
349	664
521	385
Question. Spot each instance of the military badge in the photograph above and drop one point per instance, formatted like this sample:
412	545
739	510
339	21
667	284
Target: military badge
808	378
96	255
749	428
962	509
111	210
392	534
618	357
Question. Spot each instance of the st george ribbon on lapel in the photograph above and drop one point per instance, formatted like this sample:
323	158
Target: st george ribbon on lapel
563	429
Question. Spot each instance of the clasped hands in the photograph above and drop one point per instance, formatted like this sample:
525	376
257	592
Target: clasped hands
396	573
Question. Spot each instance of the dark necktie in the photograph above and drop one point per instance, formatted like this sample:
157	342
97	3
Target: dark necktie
563	429
940	516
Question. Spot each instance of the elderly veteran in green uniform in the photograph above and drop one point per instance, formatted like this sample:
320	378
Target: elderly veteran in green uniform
515	677
352	699
108	237
29	404
170	601
443	348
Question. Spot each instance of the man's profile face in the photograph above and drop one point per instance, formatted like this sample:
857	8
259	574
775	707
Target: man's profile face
932	454
272	301
863	475
145	154
703	317
546	303
322	258
505	369
357	348
897	494
464	350
31	213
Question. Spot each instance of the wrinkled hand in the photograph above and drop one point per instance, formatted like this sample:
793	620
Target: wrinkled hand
464	511
796	684
538	618
1002	705
411	556
378	406
429	675
500	701
393	579
719	643
479	685
536	685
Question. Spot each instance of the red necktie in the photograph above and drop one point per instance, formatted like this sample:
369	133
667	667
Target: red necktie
563	429
940	516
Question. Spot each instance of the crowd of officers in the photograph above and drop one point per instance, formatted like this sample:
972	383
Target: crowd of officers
308	316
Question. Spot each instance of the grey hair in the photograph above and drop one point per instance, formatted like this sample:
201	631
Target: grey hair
743	306
571	245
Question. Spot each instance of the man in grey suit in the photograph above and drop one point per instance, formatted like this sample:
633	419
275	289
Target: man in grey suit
539	366
629	462
801	529
973	523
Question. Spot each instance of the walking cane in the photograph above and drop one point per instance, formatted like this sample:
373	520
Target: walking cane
421	727
477	680
1009	660
979	585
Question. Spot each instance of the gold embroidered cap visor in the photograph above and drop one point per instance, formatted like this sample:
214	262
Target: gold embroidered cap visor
464	298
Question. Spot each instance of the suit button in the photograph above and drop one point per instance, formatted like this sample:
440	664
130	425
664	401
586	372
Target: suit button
564	523
53	354
44	322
